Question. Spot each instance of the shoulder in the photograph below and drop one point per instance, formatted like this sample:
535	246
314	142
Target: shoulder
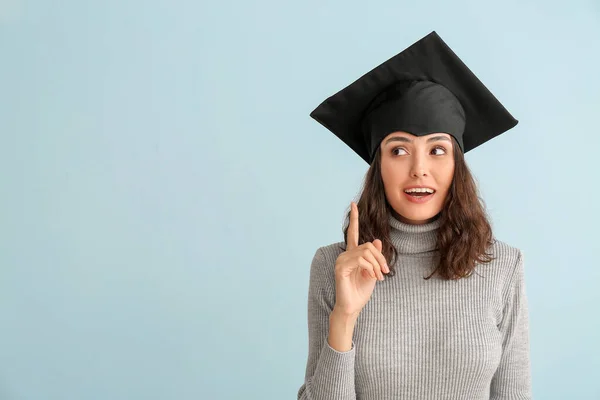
323	262
508	263
325	256
321	286
332	251
505	252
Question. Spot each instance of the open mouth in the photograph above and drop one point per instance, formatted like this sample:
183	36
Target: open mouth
420	193
419	196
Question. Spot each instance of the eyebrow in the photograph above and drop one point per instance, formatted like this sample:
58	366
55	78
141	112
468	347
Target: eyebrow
408	140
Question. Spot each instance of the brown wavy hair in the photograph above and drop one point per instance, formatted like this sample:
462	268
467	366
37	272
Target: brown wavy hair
465	232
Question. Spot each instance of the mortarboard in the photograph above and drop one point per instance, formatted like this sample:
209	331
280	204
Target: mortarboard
424	89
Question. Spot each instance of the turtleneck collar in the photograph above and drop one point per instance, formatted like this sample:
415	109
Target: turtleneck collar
414	239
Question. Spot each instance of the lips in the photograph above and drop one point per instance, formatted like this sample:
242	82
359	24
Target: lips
419	199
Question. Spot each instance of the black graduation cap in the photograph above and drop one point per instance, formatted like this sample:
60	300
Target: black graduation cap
424	89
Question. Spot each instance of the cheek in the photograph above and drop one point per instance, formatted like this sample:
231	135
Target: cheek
388	175
447	179
447	176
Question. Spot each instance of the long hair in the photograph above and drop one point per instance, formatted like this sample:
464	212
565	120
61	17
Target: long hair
464	234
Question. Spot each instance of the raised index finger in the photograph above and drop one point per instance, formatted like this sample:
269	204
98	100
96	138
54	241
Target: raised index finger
353	227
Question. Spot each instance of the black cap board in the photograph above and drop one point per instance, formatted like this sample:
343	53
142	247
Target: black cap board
424	89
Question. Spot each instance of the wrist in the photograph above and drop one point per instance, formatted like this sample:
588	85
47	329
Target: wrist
343	317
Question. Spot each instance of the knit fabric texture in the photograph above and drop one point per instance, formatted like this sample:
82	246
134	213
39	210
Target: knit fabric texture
420	339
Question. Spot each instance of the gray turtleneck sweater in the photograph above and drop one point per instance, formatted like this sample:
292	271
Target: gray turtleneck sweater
417	339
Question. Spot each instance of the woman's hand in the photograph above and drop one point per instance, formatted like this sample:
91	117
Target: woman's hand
357	270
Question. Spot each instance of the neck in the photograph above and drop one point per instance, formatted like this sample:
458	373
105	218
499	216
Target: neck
413	222
414	238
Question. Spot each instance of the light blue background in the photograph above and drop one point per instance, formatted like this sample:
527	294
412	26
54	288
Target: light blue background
163	189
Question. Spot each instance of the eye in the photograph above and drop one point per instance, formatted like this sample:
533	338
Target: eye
440	147
397	148
435	148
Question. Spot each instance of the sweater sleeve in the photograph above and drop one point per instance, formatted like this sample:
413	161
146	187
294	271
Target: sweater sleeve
329	373
512	379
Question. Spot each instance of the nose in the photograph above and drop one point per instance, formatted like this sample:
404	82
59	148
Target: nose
419	167
416	172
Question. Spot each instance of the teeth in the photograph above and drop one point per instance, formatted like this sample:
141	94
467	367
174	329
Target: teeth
419	190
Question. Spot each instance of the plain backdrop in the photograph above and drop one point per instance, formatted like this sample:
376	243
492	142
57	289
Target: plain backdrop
163	189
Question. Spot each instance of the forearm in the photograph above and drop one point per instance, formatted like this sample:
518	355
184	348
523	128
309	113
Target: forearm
341	329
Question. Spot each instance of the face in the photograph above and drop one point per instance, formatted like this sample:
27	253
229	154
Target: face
422	161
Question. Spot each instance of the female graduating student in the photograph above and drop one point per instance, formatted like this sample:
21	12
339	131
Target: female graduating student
420	301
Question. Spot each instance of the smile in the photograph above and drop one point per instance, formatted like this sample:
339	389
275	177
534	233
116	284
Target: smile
419	198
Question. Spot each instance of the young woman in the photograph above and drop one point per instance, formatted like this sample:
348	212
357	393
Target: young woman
420	301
